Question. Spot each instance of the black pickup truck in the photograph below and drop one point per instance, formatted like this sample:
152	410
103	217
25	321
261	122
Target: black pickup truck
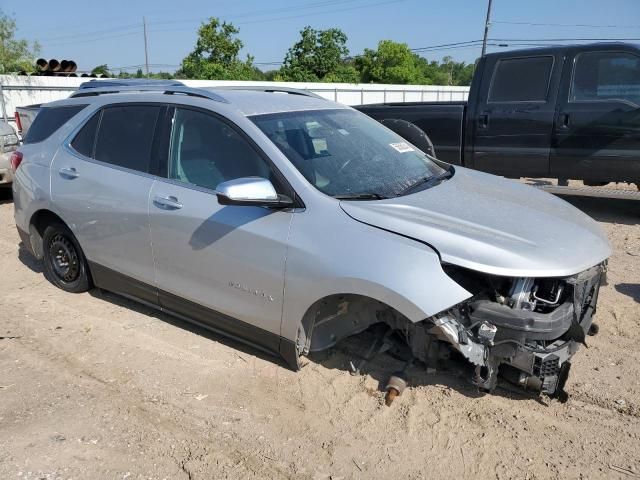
570	112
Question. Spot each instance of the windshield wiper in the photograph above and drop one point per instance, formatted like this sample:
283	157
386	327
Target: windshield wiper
428	181
360	196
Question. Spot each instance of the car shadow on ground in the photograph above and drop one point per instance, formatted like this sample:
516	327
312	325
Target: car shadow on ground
6	195
610	210
28	260
537	182
630	290
146	310
454	373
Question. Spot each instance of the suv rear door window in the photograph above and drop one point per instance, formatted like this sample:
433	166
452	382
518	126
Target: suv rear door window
606	76
125	136
521	79
48	120
85	140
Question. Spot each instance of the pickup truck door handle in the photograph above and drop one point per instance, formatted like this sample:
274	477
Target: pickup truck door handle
167	203
483	120
564	120
69	173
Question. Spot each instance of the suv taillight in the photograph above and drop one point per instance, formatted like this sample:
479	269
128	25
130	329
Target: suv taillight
15	160
18	122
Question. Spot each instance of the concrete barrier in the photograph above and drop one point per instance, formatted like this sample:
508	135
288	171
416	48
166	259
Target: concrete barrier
18	90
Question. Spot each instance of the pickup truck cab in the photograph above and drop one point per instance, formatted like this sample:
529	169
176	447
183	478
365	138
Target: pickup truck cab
570	112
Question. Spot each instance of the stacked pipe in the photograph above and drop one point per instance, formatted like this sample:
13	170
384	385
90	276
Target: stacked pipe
65	68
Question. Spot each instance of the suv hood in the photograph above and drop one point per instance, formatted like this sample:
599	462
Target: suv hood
493	225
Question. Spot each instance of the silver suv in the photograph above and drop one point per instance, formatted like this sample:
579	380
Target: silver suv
291	222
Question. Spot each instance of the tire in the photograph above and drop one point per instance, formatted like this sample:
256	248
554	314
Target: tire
412	133
64	262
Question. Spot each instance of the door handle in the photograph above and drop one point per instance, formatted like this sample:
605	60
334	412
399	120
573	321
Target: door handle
69	173
483	120
167	203
564	120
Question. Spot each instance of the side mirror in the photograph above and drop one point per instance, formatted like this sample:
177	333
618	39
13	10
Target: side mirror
251	191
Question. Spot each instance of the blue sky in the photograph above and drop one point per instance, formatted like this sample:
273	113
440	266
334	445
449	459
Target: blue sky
110	32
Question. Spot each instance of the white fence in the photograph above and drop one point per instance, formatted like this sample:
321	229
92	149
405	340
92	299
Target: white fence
21	90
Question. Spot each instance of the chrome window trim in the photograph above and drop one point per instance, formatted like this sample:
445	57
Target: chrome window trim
576	57
546	94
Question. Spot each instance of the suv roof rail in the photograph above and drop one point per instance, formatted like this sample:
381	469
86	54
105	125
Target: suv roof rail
270	89
129	82
167	90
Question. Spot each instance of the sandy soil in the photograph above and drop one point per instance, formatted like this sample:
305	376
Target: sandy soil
95	386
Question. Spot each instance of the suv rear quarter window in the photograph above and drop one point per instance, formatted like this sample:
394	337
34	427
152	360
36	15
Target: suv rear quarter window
125	136
523	79
48	120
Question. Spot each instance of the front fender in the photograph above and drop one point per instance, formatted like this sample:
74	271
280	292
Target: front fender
354	258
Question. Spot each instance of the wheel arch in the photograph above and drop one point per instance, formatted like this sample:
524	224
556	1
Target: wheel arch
337	316
38	222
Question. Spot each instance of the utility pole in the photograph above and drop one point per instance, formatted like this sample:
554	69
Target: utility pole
146	53
487	23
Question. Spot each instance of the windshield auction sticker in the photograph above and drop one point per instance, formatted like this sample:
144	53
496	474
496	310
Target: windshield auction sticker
401	147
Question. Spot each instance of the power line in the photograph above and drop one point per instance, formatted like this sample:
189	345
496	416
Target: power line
133	29
268	20
564	39
258	13
418	49
566	25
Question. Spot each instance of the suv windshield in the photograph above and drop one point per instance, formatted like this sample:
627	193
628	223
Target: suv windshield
344	153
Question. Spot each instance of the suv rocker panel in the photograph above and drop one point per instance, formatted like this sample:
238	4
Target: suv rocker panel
191	312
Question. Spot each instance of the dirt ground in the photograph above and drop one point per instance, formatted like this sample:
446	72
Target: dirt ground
94	386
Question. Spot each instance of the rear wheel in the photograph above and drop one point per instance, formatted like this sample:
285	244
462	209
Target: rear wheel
64	263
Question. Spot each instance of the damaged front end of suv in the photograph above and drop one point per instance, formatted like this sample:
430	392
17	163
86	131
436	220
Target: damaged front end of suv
526	329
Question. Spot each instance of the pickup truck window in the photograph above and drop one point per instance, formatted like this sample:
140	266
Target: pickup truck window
523	79
606	76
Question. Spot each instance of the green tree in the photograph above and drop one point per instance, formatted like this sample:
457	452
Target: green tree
391	62
15	55
319	56
101	70
216	55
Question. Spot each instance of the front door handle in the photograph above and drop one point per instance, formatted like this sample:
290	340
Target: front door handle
69	173
483	120
564	120
167	203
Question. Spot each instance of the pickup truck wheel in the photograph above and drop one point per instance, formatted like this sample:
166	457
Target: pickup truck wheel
64	262
412	133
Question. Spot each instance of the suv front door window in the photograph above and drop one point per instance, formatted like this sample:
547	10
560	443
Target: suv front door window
206	151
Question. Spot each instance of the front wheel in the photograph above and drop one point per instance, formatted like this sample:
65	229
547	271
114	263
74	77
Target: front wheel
64	263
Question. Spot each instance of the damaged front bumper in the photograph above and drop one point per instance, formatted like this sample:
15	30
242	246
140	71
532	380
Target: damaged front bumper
527	335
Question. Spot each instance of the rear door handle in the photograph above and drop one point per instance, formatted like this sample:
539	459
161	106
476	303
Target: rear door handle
69	173
167	203
564	120
483	120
